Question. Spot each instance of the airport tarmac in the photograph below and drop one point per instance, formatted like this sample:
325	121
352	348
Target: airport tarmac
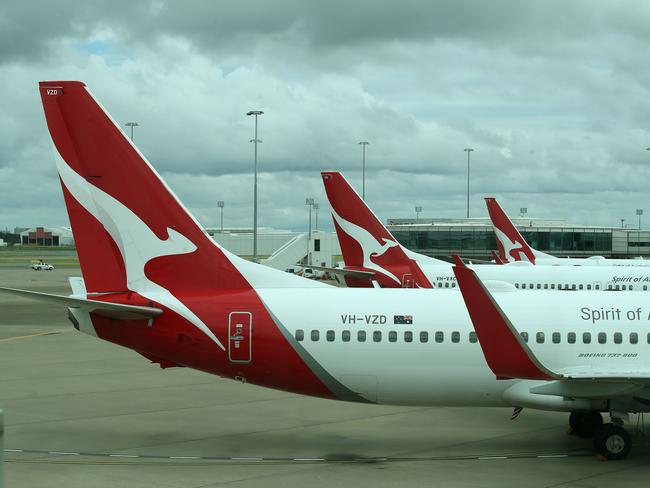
80	412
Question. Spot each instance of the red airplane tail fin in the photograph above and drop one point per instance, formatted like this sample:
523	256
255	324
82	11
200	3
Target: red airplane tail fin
512	246
130	230
365	243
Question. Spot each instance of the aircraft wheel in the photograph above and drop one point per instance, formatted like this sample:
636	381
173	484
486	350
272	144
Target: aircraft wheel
585	424
612	441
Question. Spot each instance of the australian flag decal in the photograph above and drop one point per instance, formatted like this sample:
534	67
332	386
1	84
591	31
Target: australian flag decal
403	319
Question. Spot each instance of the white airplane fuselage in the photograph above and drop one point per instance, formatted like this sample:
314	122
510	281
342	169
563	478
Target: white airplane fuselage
442	371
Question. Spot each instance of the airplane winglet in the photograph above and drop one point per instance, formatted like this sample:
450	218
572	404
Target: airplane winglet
506	353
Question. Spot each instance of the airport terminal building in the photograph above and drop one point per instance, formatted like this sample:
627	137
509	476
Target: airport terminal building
474	238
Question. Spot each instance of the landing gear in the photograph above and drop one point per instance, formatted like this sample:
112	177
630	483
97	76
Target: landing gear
585	424
612	441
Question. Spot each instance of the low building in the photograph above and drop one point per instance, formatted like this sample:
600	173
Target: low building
47	236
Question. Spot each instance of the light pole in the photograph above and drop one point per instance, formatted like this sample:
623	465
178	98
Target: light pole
639	212
418	209
132	125
468	150
315	206
310	202
255	140
220	204
363	170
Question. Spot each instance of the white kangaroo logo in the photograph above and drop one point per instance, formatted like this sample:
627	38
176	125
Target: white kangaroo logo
137	243
370	246
511	248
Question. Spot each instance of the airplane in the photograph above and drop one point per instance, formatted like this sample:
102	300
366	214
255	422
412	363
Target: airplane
155	282
373	257
514	248
610	382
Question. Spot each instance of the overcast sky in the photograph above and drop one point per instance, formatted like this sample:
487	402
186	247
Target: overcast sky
554	96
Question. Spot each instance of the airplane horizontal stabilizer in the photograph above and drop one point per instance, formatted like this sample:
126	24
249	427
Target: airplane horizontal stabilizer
117	311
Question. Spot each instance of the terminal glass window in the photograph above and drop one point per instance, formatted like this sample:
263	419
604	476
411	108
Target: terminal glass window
300	335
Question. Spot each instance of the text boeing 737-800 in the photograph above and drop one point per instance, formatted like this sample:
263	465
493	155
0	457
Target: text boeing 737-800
155	282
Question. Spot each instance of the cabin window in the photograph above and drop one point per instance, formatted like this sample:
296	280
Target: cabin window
588	287
345	336
539	338
361	336
645	287
453	285
552	286
596	287
392	336
376	336
571	337
524	336
648	338
523	285
408	336
624	286
573	287
630	287
440	336
315	335
300	335
516	285
586	338
447	284
602	338
556	337
473	338
424	336
532	286
634	338
546	286
617	287
455	336
330	336
539	286
618	337
580	287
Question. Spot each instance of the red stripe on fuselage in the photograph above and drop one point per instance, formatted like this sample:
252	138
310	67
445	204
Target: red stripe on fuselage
274	364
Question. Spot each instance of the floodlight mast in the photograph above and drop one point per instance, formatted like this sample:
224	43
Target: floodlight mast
255	140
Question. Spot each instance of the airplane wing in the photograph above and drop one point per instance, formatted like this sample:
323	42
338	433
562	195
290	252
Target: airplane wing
106	309
508	355
354	273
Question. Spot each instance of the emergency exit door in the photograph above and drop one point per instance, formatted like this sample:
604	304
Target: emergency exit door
240	330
